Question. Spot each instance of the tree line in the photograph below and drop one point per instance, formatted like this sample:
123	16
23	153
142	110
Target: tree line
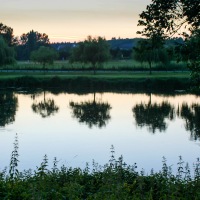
161	21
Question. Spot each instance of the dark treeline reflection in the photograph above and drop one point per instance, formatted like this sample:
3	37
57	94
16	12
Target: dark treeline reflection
45	108
153	115
191	114
91	113
8	107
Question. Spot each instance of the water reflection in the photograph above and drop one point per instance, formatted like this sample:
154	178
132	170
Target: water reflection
91	113
191	114
8	107
153	115
45	108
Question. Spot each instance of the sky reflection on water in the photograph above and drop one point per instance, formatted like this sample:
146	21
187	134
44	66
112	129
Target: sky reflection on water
74	143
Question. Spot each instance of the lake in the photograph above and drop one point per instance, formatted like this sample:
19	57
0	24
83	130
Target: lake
77	128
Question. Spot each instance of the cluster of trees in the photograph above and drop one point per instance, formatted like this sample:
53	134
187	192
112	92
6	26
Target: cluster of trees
93	50
162	20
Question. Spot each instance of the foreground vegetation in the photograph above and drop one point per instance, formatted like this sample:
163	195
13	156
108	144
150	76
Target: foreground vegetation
115	180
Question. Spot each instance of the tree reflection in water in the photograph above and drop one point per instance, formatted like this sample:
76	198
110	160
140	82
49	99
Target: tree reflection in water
45	108
191	114
153	115
8	108
91	113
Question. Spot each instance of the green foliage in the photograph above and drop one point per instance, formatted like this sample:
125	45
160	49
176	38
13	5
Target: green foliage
92	50
7	54
44	55
115	180
146	52
7	33
29	42
161	18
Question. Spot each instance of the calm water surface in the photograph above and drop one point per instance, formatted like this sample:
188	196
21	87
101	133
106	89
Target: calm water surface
79	128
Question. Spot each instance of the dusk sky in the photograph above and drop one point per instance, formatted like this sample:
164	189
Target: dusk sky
67	20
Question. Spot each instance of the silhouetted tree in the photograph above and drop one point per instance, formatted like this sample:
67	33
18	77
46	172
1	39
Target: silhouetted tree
91	112
31	41
8	108
168	18
190	52
163	19
7	33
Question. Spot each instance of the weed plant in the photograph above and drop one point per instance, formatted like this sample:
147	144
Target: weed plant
114	180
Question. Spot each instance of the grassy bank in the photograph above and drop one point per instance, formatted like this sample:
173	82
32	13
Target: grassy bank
113	181
105	81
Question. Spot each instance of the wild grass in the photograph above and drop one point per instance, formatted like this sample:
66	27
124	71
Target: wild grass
114	180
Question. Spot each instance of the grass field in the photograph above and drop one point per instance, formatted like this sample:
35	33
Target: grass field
114	75
110	65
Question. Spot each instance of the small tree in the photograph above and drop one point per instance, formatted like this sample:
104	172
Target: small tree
7	54
145	52
44	55
92	50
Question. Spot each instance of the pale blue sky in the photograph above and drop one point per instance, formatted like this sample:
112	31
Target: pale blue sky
67	20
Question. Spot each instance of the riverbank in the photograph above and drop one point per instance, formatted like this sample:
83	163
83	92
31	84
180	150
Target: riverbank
130	81
115	180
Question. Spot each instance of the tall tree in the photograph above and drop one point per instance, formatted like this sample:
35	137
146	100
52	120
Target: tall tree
32	41
7	33
92	50
7	54
169	17
164	19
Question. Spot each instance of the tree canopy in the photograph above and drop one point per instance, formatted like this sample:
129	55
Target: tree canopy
7	33
7	54
145	52
162	18
44	55
92	50
31	41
